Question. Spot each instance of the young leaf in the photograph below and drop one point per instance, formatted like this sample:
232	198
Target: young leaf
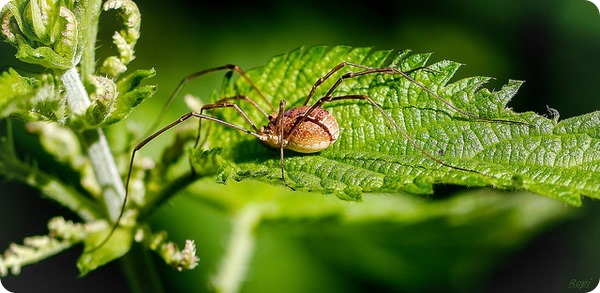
535	154
95	255
63	234
44	32
114	101
31	99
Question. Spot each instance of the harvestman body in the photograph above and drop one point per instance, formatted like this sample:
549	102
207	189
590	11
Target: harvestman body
303	129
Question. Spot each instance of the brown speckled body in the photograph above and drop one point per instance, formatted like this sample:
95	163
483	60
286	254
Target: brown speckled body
317	132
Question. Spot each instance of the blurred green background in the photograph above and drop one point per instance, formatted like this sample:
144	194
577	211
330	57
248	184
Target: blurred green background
551	44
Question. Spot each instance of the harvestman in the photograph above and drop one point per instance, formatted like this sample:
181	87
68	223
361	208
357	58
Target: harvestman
303	129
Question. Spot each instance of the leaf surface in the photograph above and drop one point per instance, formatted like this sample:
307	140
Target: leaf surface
559	160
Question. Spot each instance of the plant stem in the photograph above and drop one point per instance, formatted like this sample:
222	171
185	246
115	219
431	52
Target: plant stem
141	271
232	271
96	145
90	18
137	264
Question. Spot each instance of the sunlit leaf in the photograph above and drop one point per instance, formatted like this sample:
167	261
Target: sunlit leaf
539	155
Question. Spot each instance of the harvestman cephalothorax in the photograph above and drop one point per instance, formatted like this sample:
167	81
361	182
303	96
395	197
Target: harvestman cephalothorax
305	129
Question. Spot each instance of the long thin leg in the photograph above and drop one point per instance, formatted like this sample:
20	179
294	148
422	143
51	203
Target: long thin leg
412	142
393	70
149	139
247	99
224	103
342	65
281	141
185	80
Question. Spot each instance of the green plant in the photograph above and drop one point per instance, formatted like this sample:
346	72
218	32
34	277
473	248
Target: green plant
556	159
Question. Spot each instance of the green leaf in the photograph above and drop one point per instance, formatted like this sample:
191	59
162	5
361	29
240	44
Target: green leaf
95	255
112	102
14	87
49	184
31	99
132	92
555	160
44	32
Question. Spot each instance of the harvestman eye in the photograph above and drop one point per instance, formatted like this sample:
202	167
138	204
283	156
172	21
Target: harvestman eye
303	129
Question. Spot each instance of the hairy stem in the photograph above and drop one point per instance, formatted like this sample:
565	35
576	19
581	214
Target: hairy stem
97	147
91	13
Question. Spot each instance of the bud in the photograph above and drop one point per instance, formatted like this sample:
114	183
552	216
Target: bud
124	39
44	32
